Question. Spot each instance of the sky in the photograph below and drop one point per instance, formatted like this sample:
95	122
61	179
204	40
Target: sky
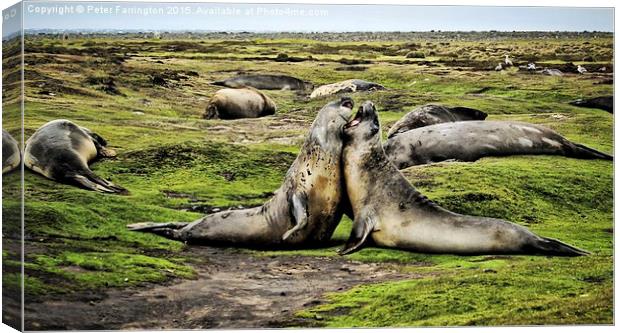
298	17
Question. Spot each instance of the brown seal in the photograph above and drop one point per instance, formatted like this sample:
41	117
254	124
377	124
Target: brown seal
394	214
245	102
304	211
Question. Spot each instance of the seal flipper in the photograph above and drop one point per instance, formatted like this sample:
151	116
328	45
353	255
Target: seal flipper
550	246
166	229
100	144
362	227
93	182
219	83
299	204
581	151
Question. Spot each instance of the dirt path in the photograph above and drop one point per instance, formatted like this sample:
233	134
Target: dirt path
233	290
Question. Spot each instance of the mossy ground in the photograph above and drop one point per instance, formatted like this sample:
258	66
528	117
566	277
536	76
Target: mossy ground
178	166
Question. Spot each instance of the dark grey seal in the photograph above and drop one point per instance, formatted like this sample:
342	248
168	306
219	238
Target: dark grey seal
11	155
304	211
61	150
469	141
604	103
267	82
432	114
391	212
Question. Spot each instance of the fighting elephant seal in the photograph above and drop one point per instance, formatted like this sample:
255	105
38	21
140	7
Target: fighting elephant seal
432	114
61	150
604	103
347	86
389	210
239	103
469	141
11	155
266	81
305	210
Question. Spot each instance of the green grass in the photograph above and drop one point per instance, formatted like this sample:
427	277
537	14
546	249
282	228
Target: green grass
176	164
520	291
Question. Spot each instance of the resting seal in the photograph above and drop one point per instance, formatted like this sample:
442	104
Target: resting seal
239	103
266	81
469	141
305	210
11	156
61	150
432	114
604	103
347	86
394	214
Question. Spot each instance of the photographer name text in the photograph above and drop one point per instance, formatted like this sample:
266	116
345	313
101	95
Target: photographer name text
171	10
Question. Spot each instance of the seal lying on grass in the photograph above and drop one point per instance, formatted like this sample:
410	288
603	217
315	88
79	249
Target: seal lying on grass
266	81
238	103
305	210
604	103
469	141
394	214
347	86
432	114
61	150
11	156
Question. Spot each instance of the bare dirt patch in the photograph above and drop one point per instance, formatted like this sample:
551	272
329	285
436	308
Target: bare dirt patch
233	289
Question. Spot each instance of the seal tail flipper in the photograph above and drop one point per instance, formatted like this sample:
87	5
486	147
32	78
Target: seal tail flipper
166	229
93	182
581	151
550	246
219	83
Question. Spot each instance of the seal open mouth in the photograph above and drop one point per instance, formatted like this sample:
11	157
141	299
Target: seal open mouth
356	120
363	112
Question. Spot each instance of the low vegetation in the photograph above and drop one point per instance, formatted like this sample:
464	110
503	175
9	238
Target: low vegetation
145	96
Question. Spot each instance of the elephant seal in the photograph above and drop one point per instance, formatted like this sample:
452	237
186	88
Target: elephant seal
552	72
394	214
304	211
431	114
266	81
347	86
11	155
469	141
61	150
239	103
604	103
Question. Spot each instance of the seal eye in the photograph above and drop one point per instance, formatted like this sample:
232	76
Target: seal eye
347	103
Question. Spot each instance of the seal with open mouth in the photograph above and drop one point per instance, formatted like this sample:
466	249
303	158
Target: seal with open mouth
394	214
304	211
